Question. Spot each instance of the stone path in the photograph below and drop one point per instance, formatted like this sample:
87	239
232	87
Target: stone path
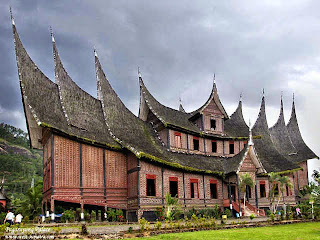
112	229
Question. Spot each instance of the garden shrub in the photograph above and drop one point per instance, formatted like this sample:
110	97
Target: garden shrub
228	212
119	215
111	215
158	225
142	224
93	216
130	229
160	213
252	216
68	216
2	216
272	217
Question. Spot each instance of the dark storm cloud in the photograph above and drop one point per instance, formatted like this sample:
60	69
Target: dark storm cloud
179	45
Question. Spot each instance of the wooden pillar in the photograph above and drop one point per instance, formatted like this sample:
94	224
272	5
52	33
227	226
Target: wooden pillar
104	175
97	214
52	218
82	211
80	167
256	194
162	185
184	190
204	190
138	186
52	164
240	211
229	192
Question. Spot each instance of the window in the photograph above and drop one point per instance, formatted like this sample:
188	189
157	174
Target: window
231	147
195	143
214	146
213	124
173	184
151	185
177	140
262	190
276	190
248	192
194	191
213	189
289	193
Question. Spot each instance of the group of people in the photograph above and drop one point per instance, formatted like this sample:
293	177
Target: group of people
11	218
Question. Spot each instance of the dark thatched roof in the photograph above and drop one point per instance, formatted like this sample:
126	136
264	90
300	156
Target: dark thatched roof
304	152
271	159
235	126
231	165
280	136
213	97
83	112
41	95
139	137
166	115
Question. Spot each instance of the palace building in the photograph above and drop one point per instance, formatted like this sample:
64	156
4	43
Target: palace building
98	155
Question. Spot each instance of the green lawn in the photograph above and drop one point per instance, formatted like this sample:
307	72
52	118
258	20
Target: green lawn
291	231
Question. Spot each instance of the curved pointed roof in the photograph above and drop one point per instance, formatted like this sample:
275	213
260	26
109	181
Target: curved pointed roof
280	135
81	110
269	156
213	97
139	137
39	94
42	104
304	152
236	126
168	116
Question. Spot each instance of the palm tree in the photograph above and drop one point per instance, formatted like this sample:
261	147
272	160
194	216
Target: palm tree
284	182
273	181
245	180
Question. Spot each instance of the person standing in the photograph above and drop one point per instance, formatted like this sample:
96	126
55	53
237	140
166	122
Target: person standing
19	219
9	218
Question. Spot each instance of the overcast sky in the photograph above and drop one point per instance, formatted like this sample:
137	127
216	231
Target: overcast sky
249	45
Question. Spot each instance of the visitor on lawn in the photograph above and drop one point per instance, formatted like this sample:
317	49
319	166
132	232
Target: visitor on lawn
9	218
19	219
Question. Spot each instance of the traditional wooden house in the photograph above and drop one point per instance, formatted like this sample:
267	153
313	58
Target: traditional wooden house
97	154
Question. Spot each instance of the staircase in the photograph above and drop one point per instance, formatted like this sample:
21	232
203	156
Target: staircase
248	210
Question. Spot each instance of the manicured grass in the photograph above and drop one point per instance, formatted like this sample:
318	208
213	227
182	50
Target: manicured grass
297	231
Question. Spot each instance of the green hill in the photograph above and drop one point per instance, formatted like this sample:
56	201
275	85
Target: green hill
18	163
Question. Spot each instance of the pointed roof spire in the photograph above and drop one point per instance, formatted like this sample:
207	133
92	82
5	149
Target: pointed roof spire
240	100
262	92
139	73
11	15
181	109
95	52
250	135
52	37
304	152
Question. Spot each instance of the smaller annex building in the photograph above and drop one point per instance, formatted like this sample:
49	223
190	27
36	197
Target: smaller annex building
98	155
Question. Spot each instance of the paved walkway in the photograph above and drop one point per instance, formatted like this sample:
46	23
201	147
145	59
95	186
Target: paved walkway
112	229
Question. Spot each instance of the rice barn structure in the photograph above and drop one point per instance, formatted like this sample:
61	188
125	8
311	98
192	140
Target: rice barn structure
98	155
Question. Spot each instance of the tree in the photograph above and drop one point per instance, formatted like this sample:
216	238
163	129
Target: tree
273	181
245	180
284	182
31	204
172	206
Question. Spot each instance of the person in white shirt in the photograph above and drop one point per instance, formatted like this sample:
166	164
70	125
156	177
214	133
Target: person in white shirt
19	218
9	218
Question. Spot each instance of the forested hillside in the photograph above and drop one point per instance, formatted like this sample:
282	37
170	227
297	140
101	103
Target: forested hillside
18	163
